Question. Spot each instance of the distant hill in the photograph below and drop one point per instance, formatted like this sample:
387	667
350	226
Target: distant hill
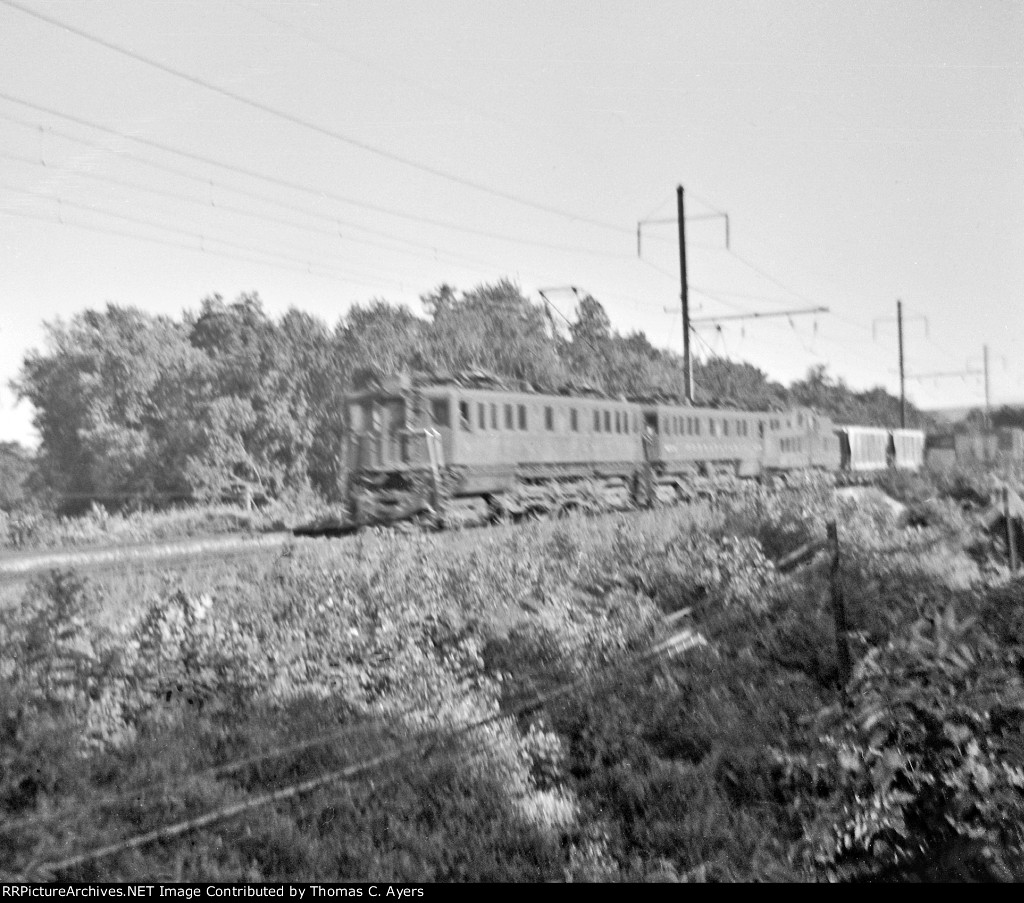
950	415
954	416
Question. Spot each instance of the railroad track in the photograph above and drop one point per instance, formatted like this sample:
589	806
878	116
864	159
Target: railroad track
18	567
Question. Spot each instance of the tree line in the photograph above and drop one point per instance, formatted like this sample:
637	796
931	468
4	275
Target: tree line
133	408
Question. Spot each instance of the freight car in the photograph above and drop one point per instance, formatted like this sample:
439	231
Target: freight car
417	448
1004	445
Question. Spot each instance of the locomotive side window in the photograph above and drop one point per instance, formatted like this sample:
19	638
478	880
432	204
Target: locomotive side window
607	421
597	421
356	418
509	422
494	416
696	426
549	417
725	427
712	427
522	416
440	412
574	422
481	416
464	420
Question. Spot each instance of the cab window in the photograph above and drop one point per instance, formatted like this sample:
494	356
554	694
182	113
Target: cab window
440	412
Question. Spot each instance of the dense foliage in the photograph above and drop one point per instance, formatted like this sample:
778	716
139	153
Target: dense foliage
229	403
737	757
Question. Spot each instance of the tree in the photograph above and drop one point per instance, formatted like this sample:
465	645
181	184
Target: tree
494	327
101	391
255	410
15	474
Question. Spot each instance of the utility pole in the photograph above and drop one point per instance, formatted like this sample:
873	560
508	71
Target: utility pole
684	297
903	394
684	293
899	327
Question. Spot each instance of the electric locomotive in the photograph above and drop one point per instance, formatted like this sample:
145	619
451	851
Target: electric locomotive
418	449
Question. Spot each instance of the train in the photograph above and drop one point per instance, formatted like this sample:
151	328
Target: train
420	448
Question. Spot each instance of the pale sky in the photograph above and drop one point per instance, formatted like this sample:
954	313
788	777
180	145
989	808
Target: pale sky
864	151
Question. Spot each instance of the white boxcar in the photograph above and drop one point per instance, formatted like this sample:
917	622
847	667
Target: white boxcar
863	447
908	449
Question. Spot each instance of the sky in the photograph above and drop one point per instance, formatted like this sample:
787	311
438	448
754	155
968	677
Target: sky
156	152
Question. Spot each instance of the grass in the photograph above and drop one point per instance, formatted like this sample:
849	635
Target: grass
697	767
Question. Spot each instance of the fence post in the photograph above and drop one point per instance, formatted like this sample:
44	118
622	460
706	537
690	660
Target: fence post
1011	531
838	606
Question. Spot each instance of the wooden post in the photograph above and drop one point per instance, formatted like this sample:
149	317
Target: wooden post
838	606
1011	531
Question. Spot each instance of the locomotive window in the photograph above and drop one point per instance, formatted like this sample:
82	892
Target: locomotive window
597	421
522	416
509	422
439	412
355	417
725	427
625	421
712	427
574	422
696	426
549	418
464	420
607	421
494	416
481	416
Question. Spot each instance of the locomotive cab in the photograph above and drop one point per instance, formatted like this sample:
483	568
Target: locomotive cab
393	461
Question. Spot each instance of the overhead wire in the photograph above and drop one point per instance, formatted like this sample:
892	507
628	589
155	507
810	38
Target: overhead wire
318	192
203	236
284	115
307	269
221	206
221	186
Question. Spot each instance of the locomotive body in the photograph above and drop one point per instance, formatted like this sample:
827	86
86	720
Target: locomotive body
416	449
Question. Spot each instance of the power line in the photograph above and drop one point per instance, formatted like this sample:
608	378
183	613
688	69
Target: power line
240	211
193	233
312	126
419	85
209	183
202	249
319	193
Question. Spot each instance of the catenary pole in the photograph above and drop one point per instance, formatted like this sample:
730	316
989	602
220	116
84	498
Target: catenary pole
903	394
685	299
